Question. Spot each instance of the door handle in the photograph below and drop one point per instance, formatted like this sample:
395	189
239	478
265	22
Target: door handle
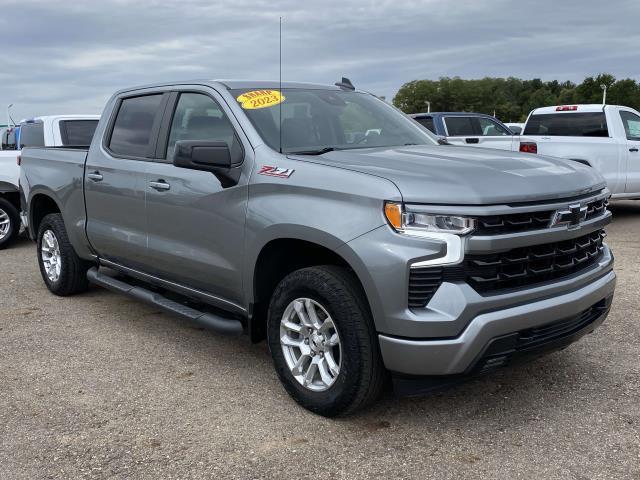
472	140
160	185
633	149
95	176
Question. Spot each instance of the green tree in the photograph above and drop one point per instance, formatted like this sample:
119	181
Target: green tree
511	98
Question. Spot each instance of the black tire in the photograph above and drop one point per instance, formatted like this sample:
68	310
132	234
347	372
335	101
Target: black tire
7	208
361	376
73	270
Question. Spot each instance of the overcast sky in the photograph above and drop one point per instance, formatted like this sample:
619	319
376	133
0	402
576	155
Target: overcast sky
69	56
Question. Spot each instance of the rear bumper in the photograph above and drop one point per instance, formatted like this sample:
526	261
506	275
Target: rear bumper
461	355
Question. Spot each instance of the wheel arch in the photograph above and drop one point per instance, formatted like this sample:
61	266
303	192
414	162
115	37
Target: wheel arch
276	258
41	204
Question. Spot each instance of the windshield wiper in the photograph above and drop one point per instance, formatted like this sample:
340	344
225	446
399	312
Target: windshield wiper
314	152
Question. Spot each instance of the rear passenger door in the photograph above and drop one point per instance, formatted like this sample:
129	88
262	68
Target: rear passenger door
477	132
116	182
195	224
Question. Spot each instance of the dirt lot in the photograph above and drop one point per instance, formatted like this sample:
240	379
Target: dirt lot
100	386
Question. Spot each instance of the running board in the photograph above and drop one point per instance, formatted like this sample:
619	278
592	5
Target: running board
222	325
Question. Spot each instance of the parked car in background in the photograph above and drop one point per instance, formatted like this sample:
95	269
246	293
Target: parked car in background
516	128
356	247
605	137
58	130
49	131
9	138
471	129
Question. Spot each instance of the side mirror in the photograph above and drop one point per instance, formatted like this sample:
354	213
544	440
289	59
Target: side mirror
214	157
202	155
442	140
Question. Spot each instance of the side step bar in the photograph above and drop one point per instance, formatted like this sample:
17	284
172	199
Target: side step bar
224	326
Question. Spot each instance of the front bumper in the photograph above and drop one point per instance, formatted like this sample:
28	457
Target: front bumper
460	355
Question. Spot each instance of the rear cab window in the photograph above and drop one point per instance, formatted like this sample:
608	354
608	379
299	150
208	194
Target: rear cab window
581	124
132	132
77	132
32	135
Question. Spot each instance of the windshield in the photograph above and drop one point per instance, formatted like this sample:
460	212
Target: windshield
317	120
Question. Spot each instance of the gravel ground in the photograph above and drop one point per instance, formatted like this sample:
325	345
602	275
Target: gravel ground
101	386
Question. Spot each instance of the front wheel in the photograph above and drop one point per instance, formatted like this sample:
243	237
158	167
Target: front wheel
9	223
62	270
323	342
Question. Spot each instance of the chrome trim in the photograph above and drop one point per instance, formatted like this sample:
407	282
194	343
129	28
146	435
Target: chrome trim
455	249
176	287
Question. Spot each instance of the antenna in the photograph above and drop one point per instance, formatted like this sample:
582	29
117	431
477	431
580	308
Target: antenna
280	82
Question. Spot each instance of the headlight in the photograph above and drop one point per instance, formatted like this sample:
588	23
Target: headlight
403	220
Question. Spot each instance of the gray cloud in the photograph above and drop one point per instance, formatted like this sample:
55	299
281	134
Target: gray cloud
69	57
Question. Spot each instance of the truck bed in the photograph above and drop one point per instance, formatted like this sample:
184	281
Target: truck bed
57	172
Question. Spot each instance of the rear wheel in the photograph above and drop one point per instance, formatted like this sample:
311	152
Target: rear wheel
62	270
9	223
323	342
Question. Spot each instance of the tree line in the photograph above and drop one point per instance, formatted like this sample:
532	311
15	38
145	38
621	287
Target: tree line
511	99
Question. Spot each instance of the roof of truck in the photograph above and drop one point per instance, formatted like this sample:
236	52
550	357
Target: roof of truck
266	84
585	108
235	84
450	114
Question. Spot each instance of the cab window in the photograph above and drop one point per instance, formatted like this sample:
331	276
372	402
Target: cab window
631	123
77	132
132	129
474	127
426	122
199	117
489	128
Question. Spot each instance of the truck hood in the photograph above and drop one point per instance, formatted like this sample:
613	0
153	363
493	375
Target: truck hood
451	175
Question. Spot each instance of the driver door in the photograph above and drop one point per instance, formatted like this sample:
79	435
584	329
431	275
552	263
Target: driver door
195	225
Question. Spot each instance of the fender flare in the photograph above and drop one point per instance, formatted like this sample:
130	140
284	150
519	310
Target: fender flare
282	232
6	187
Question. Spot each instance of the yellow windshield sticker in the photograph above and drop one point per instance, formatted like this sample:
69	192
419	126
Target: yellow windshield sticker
260	99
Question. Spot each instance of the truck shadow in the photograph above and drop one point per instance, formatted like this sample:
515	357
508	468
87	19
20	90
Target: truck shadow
505	399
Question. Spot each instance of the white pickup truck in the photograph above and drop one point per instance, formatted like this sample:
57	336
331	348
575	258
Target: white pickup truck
606	137
49	131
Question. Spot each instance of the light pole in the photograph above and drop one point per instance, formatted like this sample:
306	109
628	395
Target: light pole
604	94
9	115
428	106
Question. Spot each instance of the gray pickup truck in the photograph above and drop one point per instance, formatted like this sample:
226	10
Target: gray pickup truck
328	222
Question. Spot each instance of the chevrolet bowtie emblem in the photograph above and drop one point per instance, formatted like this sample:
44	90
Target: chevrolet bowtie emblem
572	217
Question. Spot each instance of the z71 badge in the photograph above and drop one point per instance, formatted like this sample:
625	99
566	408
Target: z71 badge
276	171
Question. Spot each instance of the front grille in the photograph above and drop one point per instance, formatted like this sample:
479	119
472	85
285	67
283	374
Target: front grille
529	221
597	208
514	222
497	272
534	264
